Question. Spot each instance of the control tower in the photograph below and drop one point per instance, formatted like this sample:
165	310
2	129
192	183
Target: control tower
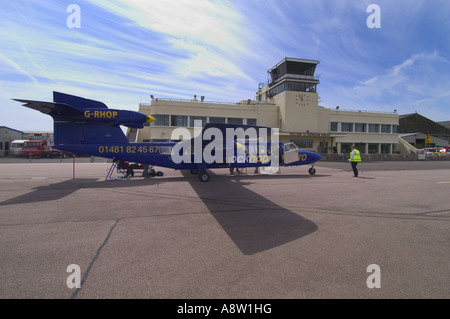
293	75
293	87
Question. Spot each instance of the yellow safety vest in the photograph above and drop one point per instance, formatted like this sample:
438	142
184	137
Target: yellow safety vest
356	156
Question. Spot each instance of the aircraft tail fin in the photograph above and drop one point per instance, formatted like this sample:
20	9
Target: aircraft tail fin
79	120
78	132
77	102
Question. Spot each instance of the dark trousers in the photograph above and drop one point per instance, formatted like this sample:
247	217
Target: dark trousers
355	170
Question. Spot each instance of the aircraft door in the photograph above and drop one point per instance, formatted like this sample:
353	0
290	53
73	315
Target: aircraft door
290	153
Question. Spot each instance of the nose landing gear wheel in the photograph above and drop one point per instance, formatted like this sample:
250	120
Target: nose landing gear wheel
203	176
312	171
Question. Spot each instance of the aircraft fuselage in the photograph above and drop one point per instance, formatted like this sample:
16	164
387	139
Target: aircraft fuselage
161	154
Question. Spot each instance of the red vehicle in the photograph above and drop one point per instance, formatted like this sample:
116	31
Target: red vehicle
38	148
445	149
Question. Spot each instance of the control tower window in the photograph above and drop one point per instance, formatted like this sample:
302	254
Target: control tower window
293	86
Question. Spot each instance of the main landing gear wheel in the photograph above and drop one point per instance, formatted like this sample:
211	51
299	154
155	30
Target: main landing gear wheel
194	171
312	171
203	176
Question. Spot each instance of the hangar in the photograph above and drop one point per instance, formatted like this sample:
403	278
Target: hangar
7	136
290	102
414	128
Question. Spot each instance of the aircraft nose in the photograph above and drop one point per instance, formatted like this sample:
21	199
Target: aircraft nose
317	157
149	119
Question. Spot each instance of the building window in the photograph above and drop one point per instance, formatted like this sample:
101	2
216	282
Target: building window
235	121
303	143
346	148
374	128
293	86
346	127
360	127
251	121
161	120
301	86
311	88
385	148
361	147
219	120
178	120
394	129
373	148
333	126
192	120
394	148
386	128
278	89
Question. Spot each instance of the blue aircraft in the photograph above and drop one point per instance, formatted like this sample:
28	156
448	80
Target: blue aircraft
89	127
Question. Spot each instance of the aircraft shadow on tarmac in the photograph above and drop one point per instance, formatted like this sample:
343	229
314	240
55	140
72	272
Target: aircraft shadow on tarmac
49	192
252	222
62	189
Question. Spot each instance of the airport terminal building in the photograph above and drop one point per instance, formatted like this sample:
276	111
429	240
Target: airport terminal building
289	102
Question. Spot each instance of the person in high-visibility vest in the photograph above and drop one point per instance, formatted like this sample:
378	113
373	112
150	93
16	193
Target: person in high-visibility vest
355	158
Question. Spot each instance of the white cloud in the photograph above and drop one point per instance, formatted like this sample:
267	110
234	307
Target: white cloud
204	21
16	67
127	50
406	74
419	83
205	35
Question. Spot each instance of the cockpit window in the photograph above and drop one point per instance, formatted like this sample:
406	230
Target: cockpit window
290	147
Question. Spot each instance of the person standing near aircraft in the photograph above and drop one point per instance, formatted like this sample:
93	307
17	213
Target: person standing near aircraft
355	158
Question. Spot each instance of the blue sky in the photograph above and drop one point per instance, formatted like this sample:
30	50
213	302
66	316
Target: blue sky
126	50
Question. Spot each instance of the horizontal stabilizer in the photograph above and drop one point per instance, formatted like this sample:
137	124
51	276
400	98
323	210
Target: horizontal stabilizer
50	108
